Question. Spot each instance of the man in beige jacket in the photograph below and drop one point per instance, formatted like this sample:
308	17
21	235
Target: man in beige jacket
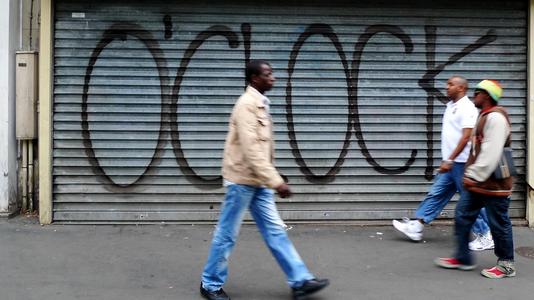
250	177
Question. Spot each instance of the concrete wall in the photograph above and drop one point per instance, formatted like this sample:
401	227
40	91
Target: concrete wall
9	42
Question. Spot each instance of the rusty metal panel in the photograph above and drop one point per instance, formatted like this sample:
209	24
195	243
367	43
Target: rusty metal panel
143	91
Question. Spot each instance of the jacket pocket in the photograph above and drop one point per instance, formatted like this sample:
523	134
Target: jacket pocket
264	129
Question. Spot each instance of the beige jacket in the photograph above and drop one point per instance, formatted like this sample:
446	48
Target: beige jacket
249	148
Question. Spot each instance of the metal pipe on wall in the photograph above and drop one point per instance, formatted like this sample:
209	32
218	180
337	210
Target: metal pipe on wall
21	23
26	175
19	170
31	25
24	171
30	176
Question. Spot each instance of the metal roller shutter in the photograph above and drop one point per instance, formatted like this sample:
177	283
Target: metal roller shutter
143	92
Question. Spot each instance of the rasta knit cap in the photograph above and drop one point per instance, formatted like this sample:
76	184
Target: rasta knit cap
492	87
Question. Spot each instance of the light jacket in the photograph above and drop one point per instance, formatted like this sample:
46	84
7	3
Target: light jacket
249	147
489	138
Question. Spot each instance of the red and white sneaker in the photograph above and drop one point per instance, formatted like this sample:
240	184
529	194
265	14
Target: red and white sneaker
452	263
502	269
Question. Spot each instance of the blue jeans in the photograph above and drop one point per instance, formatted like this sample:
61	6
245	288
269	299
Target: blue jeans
467	210
260	202
444	187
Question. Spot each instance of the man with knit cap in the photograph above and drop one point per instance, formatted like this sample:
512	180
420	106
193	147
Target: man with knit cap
490	136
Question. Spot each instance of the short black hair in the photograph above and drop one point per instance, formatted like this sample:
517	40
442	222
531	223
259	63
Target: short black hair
254	68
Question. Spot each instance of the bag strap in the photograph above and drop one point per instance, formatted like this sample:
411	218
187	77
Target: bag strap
482	123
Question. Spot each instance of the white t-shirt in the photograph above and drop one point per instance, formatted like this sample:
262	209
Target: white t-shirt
457	116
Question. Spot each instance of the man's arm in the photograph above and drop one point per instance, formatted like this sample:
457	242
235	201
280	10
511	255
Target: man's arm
496	131
446	165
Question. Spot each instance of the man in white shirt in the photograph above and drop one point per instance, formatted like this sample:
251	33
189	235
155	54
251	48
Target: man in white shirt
458	121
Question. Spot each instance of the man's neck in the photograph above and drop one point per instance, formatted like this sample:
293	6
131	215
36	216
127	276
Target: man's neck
486	106
458	98
257	89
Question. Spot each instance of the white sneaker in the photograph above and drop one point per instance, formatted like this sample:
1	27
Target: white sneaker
411	228
475	244
482	242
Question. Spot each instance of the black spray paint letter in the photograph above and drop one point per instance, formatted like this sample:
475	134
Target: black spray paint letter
359	49
190	174
328	32
120	31
428	83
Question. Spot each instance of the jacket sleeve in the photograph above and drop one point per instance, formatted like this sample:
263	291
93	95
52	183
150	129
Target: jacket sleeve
247	130
496	131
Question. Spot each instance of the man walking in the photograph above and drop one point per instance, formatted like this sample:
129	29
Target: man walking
458	121
491	135
249	176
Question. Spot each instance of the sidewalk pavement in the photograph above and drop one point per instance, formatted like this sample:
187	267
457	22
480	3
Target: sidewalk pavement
159	262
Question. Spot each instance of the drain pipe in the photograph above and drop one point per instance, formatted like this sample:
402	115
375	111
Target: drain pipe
26	176
30	176
30	47
21	24
24	171
19	174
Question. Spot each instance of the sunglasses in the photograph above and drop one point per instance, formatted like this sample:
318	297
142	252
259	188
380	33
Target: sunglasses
477	92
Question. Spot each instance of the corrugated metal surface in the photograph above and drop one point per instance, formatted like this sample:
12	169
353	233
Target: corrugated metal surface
143	92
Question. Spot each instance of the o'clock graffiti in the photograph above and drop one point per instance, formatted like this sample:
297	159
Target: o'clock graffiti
170	94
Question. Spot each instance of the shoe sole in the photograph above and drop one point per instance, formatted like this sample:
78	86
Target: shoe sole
411	237
439	263
481	249
304	296
204	294
493	276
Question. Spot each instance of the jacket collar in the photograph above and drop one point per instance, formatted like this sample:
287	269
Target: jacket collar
258	97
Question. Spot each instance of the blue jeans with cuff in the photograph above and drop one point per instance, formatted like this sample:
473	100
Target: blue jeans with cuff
260	202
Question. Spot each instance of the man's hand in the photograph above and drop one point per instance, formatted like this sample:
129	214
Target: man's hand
283	190
445	166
